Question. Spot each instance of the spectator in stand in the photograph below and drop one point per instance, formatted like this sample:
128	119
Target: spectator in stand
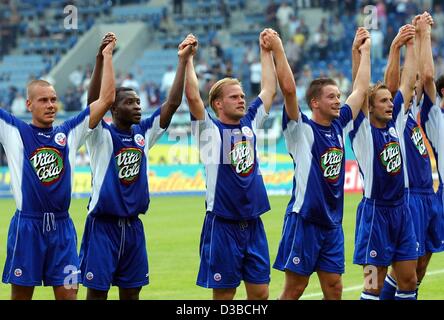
438	16
270	15
382	15
377	38
130	82
167	81
18	107
293	51
388	39
76	77
320	43
255	77
293	25
283	15
337	32
178	7
153	94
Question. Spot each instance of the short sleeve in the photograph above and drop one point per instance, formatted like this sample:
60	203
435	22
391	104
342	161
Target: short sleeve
77	128
256	113
152	126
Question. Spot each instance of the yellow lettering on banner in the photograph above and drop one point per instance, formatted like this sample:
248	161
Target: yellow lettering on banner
177	182
6	179
281	177
82	182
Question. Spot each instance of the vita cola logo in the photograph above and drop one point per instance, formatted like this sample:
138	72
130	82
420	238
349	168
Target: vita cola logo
418	140
391	158
128	162
331	163
48	165
242	158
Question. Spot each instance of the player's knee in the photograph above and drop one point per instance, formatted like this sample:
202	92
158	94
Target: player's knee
68	294
93	294
224	294
261	294
293	292
21	293
421	269
333	290
129	294
407	282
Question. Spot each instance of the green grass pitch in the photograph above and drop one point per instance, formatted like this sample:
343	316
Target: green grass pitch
172	230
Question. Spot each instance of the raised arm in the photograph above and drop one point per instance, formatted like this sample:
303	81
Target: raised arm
426	64
360	36
96	78
357	98
195	103
270	39
419	84
174	99
392	72
268	74
408	77
107	94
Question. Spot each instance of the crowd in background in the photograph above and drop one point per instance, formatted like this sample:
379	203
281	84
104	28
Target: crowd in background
314	48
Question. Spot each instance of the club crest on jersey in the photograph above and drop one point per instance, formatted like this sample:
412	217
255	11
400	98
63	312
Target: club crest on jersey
331	163
418	140
128	162
48	165
247	132
60	139
242	158
140	140
391	158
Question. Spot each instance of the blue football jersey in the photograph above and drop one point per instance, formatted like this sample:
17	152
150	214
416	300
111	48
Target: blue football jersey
42	160
235	188
378	152
120	168
432	121
319	166
417	166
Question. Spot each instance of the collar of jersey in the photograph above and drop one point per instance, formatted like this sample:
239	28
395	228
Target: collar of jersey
125	133
41	129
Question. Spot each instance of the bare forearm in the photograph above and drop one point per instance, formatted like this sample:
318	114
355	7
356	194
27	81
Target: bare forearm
356	100
174	97
392	72
95	83
356	60
408	77
268	79
284	73
176	92
195	102
287	84
268	75
107	85
426	65
362	80
191	82
107	93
